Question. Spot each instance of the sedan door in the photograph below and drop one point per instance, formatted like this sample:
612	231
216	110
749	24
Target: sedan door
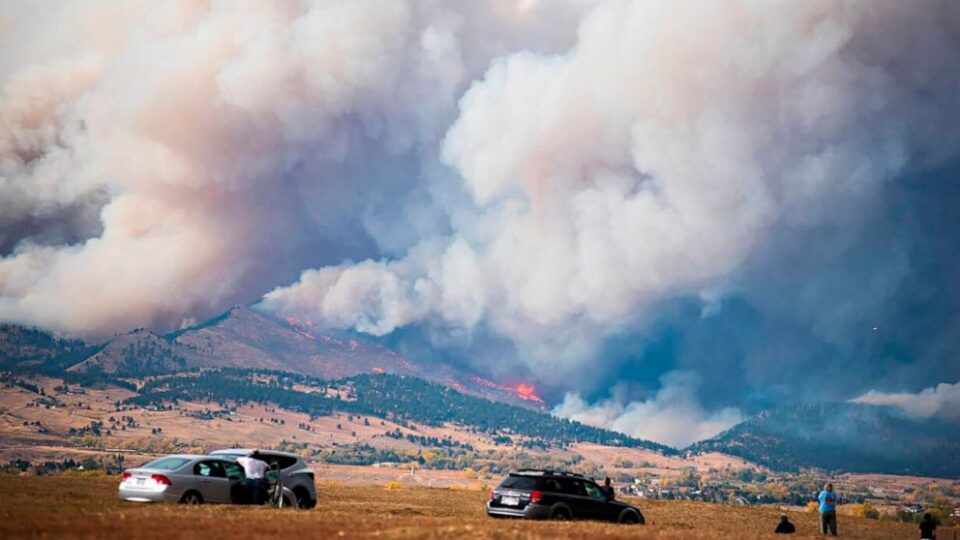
237	481
212	482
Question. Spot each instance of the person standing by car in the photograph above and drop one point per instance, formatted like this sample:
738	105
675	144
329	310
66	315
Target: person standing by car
608	489
828	510
254	468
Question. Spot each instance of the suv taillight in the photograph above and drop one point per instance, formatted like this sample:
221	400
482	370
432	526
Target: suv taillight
161	479
536	496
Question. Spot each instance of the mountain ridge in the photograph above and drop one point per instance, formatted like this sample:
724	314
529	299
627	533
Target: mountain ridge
242	337
825	436
842	436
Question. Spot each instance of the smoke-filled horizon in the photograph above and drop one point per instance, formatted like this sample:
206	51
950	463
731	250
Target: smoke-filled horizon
666	214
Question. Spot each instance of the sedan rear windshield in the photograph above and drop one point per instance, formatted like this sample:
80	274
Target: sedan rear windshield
166	463
519	482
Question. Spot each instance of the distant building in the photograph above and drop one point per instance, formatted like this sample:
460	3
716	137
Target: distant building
912	509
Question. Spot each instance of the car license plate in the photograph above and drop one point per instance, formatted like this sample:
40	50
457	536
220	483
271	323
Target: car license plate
510	501
140	481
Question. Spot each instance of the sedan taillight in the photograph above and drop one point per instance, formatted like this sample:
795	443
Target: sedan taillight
125	476
161	479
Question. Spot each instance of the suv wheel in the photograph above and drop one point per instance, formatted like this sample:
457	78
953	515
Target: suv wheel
630	518
560	514
303	499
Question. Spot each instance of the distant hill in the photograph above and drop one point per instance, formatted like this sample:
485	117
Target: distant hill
241	337
843	437
394	397
227	348
23	348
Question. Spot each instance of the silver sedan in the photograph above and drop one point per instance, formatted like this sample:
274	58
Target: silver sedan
187	479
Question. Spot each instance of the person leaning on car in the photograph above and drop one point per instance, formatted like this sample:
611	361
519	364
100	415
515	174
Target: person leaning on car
254	468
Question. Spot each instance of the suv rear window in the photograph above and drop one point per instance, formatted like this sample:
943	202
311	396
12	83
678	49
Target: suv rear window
519	482
284	461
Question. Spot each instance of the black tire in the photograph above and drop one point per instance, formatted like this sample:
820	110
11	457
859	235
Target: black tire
631	518
304	502
560	514
192	497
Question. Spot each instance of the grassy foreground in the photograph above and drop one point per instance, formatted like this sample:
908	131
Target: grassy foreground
87	507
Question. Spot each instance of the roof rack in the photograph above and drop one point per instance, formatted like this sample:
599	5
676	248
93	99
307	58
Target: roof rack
548	472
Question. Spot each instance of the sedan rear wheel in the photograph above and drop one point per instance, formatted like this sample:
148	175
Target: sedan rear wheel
191	497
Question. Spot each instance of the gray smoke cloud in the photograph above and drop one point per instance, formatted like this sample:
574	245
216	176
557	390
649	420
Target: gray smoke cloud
667	147
672	416
530	178
940	401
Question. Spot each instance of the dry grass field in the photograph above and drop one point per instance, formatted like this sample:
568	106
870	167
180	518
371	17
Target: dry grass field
74	506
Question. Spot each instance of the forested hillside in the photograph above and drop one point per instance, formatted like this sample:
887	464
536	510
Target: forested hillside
843	437
399	398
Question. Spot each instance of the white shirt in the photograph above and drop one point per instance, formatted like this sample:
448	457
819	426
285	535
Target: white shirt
252	467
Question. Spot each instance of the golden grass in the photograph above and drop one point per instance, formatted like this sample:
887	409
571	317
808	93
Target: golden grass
86	507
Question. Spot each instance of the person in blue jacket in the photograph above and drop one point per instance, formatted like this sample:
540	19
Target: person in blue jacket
828	510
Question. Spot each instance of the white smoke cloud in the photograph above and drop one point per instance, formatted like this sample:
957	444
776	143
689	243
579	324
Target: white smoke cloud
652	160
673	416
940	401
159	161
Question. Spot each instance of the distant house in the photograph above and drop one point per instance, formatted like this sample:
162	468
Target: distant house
912	509
956	512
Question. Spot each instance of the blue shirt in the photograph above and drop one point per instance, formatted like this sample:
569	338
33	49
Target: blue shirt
828	501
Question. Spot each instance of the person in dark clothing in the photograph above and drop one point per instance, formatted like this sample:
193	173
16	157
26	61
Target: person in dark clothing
785	527
928	528
608	489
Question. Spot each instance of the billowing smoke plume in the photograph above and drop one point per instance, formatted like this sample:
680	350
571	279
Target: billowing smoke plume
652	160
522	182
159	161
673	416
941	401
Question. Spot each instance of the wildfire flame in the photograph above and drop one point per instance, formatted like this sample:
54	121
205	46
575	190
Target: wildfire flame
298	325
523	391
379	370
528	391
